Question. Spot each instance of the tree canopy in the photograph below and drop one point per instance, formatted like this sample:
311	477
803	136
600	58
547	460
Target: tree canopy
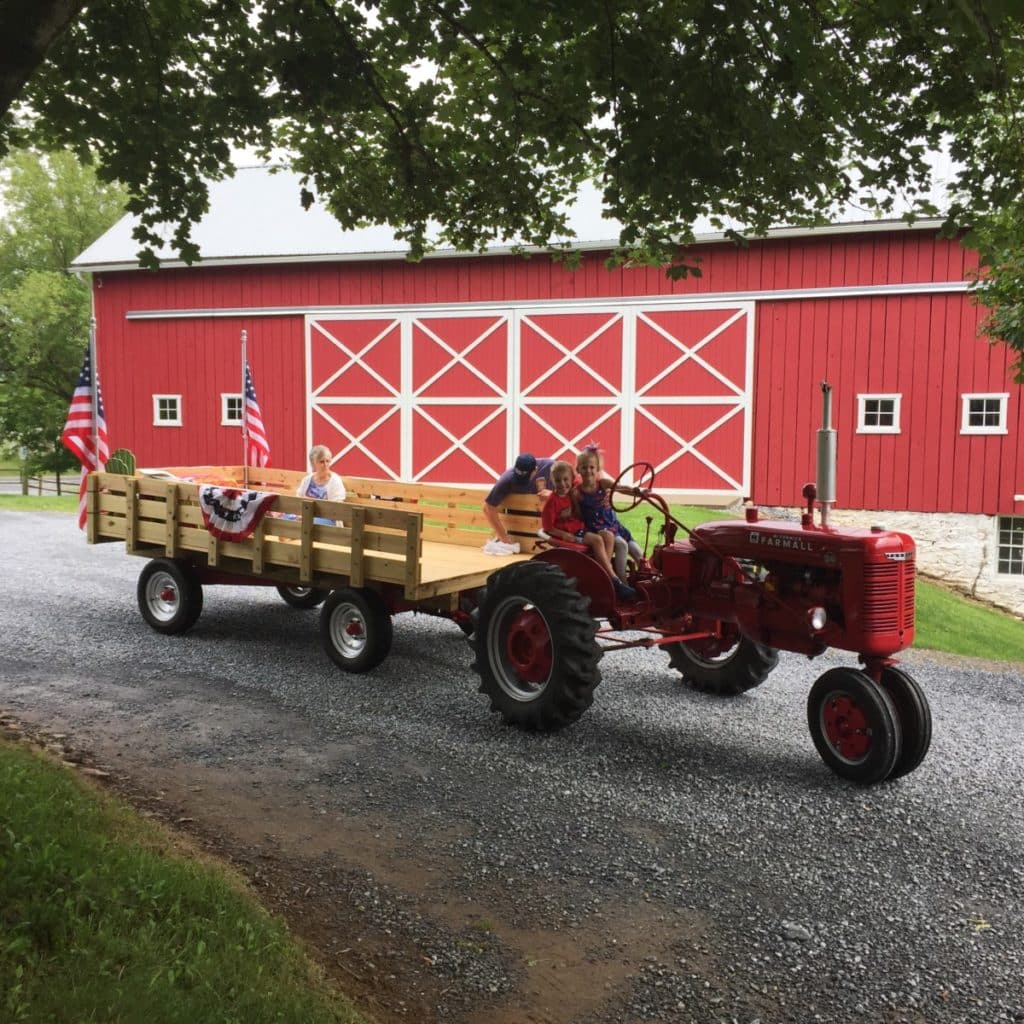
53	208
484	117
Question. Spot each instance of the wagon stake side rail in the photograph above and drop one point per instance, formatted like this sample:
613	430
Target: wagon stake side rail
162	518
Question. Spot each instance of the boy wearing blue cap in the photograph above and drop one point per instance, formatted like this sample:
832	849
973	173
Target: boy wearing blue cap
529	475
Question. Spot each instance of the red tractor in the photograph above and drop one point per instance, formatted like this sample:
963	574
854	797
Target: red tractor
723	602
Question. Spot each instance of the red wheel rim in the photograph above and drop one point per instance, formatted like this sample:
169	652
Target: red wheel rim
846	728
528	646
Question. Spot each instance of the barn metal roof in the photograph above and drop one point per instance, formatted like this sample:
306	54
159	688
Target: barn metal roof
256	217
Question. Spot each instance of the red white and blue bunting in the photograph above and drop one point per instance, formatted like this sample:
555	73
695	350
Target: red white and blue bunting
231	514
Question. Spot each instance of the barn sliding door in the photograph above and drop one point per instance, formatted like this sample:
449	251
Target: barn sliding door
451	395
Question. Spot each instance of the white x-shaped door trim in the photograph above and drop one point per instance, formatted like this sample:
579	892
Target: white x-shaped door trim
736	401
500	390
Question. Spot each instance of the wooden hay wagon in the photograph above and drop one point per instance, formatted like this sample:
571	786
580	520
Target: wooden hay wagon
389	547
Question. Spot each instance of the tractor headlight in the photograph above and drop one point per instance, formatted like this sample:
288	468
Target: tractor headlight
817	618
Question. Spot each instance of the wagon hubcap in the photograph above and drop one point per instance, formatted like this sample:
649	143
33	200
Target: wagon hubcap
348	631
162	596
846	728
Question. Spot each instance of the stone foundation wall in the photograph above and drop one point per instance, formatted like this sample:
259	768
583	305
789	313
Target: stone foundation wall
961	550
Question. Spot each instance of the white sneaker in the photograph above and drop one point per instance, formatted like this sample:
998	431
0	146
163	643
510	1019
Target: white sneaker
491	547
501	547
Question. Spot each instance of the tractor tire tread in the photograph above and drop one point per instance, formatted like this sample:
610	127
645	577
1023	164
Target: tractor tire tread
747	667
568	697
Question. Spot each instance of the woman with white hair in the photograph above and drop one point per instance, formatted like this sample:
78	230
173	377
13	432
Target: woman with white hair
322	482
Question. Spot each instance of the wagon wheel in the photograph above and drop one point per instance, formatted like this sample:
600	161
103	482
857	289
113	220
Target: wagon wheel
644	482
535	649
302	597
355	628
854	725
169	595
726	667
915	718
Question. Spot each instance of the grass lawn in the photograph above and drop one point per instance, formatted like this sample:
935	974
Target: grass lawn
946	621
42	502
100	920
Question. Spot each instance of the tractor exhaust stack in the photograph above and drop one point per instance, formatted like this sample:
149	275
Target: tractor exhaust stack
827	447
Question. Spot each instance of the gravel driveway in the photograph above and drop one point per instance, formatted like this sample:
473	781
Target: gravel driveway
672	857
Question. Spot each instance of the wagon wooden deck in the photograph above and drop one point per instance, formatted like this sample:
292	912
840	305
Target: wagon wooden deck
424	539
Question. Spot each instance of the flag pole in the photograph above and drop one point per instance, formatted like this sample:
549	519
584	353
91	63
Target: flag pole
94	386
245	429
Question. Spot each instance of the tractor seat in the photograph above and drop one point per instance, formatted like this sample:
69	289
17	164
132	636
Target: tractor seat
546	540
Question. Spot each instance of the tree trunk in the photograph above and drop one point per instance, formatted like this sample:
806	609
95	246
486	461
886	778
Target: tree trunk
28	28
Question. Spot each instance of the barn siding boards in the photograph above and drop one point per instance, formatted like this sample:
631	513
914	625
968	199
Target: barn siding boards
896	344
200	359
773	264
920	346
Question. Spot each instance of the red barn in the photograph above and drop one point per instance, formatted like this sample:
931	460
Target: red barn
442	371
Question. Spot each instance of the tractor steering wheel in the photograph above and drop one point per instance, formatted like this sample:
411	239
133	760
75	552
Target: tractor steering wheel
645	481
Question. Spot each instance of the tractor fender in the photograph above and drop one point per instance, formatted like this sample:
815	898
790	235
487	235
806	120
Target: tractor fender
591	580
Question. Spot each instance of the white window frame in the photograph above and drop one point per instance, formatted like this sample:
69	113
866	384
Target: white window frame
1007	552
159	421
864	428
965	410
225	419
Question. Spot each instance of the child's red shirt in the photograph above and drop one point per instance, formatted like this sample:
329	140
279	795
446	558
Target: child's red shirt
550	515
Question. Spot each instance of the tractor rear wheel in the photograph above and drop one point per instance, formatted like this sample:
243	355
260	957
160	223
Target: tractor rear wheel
725	673
915	718
854	725
535	649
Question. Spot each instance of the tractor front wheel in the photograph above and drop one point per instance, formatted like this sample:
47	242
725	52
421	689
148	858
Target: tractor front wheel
915	717
169	595
355	628
536	652
854	725
725	671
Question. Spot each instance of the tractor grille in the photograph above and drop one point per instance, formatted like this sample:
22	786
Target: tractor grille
889	597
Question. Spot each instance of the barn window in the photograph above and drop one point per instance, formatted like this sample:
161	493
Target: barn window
1011	545
167	410
984	414
878	414
230	410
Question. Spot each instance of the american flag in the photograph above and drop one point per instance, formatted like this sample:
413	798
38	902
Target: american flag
257	451
85	439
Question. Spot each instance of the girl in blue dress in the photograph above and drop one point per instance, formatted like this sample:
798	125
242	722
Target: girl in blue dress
593	494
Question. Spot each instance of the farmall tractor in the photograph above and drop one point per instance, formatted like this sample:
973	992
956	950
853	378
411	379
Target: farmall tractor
723	600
